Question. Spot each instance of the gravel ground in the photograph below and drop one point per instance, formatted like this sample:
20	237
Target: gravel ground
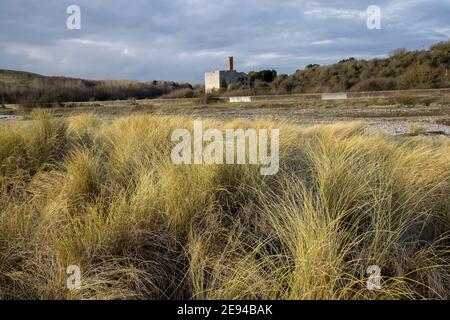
392	120
398	128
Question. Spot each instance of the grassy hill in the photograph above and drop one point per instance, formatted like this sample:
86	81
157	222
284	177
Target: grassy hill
403	69
18	77
34	90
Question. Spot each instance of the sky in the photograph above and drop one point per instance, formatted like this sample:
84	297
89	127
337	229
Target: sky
178	40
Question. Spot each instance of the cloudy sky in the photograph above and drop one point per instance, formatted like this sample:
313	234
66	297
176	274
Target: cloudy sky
180	39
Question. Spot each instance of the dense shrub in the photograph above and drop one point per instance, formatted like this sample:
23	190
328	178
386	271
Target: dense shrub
375	84
401	70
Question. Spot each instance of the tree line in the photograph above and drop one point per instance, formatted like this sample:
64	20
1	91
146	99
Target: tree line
40	90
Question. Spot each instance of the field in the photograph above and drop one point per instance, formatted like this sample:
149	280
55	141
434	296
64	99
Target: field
98	190
395	113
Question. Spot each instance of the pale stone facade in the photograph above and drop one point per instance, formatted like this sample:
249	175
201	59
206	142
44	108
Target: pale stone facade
216	80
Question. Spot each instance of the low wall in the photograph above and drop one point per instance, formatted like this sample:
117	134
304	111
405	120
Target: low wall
240	99
334	96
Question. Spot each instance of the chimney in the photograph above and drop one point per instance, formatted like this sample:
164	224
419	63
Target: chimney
230	66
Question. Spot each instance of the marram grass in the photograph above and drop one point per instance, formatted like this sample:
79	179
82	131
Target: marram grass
104	195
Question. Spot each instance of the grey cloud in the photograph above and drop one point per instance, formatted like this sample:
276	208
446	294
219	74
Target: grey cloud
180	39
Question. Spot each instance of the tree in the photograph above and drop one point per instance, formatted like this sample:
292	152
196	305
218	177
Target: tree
264	75
312	66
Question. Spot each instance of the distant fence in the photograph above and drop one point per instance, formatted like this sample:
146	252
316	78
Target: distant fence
130	102
396	93
302	96
357	95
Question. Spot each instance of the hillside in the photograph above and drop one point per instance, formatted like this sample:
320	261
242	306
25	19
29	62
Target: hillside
401	70
33	90
18	77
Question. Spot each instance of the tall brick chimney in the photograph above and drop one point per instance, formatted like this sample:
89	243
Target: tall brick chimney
230	64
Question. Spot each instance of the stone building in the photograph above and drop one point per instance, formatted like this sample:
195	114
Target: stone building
215	80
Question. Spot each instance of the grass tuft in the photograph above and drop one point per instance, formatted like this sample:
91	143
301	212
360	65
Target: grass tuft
104	195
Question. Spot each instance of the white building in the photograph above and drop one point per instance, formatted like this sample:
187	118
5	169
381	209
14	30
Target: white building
216	80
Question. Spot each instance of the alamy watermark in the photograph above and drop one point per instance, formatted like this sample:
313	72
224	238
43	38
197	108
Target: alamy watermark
73	22
234	146
374	280
374	17
74	277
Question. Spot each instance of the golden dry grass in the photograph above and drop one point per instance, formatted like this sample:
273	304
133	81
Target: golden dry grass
104	195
